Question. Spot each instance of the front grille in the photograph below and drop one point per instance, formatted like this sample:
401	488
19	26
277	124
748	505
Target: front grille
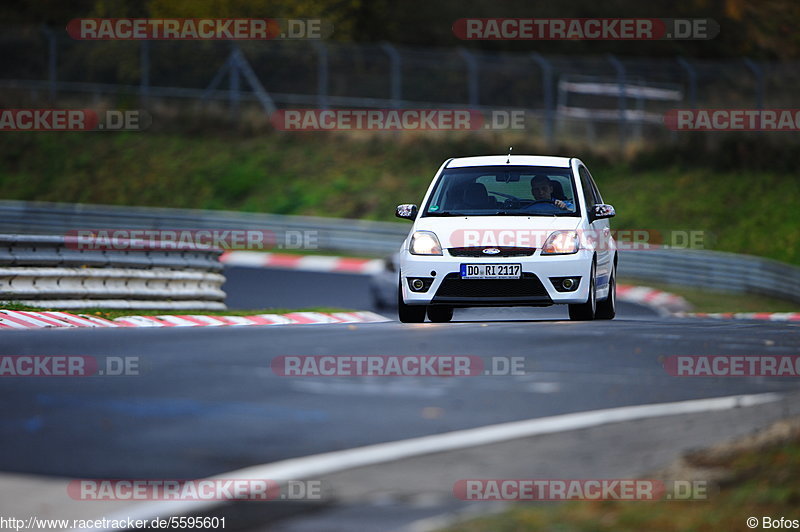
528	285
505	251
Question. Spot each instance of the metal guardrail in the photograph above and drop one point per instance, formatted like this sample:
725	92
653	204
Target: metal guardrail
57	271
713	270
357	236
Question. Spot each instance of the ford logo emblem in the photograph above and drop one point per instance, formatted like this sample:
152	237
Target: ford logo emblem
491	251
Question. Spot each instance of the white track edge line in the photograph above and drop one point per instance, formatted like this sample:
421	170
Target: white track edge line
332	462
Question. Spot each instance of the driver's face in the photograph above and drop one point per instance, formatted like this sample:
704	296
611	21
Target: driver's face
541	191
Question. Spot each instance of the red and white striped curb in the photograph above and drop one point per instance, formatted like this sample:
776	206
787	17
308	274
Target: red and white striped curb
312	263
24	319
664	302
671	304
768	316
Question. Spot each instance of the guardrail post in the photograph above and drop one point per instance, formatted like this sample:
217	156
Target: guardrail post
396	79
246	70
52	51
144	67
691	73
758	73
234	95
620	68
549	103
562	102
218	77
639	123
322	74
472	74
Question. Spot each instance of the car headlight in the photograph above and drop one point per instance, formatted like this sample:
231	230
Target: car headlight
561	243
425	243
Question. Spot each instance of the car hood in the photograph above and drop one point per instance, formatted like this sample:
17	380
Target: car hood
525	231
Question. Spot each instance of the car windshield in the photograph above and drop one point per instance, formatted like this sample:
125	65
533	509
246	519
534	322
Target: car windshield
504	191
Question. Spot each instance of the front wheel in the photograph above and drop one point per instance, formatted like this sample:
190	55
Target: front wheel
607	309
409	313
586	311
440	314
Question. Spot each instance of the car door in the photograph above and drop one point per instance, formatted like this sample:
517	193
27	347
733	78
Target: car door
599	229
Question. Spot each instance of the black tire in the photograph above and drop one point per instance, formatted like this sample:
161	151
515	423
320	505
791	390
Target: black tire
586	311
440	314
607	309
409	313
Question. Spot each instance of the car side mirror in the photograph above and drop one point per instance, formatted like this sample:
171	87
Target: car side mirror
407	211
603	210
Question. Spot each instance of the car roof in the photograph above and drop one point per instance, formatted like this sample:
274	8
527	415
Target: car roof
514	160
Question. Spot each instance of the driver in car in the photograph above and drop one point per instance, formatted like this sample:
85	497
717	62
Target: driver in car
542	190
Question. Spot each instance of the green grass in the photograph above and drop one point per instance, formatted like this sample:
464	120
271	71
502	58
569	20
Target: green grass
712	301
759	482
365	175
744	212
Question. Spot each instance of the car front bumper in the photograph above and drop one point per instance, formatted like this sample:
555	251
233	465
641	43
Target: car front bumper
534	289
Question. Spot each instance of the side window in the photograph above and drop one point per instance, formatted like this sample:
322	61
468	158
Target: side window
588	189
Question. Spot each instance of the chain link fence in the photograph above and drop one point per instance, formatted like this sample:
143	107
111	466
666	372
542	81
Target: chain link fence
41	65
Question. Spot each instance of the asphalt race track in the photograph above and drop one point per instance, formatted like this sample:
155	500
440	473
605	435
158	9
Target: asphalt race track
255	288
206	400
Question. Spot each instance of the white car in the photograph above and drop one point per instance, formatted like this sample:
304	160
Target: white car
501	231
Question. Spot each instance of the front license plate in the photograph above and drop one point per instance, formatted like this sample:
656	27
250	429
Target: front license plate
490	271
